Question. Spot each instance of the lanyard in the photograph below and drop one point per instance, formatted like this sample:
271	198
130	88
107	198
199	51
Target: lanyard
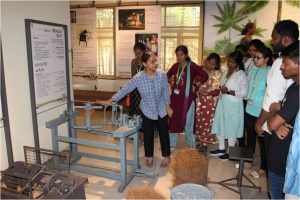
251	65
139	68
179	76
229	77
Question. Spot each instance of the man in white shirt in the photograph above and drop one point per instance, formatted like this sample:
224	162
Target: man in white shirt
284	34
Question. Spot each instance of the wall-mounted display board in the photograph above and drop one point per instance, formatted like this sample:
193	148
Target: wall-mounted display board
84	41
135	24
48	67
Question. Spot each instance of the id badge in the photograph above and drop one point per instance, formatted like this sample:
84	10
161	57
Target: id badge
176	91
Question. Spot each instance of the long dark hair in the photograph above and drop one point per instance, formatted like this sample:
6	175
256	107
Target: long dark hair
145	57
140	46
287	28
238	58
215	57
256	43
292	52
267	53
247	28
184	50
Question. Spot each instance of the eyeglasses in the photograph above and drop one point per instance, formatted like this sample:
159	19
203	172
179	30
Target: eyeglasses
257	58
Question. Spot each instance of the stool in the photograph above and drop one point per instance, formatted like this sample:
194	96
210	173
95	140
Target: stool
250	193
190	191
241	154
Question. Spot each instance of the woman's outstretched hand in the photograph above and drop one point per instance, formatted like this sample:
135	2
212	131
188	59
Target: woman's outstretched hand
105	102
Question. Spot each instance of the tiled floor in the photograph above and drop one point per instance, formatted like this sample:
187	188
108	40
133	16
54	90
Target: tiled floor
103	188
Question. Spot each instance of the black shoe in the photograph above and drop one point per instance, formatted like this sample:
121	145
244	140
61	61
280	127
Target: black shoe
224	157
217	152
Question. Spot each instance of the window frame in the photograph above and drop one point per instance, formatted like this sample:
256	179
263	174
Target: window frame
200	31
101	76
201	5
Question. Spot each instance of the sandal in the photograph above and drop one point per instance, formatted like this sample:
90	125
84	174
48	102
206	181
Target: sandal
258	174
149	162
165	162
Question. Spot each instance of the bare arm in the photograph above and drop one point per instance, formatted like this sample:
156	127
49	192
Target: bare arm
263	117
275	120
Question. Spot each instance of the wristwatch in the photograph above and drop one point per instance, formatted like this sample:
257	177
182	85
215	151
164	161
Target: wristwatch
228	92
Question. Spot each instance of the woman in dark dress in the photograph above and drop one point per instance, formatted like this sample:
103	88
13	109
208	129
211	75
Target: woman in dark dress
136	67
184	73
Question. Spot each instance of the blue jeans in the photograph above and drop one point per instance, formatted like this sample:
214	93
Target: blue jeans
188	129
276	185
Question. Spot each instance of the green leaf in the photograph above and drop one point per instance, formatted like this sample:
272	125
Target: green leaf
228	17
294	3
252	6
259	31
237	27
222	29
224	46
233	9
220	9
217	17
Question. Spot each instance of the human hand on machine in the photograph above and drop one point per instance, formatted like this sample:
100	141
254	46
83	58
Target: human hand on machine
106	102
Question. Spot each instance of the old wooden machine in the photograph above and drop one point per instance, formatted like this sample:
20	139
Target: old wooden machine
50	179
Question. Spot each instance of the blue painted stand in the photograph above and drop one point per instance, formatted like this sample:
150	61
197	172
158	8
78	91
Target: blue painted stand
122	132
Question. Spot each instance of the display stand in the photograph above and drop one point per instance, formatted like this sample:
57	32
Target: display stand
48	68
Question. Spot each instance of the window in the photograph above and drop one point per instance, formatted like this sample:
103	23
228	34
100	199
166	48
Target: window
105	47
180	25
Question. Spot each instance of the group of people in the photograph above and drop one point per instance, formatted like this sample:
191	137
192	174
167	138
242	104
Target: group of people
255	98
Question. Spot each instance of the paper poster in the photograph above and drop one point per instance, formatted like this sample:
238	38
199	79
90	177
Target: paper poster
84	41
135	23
49	65
150	40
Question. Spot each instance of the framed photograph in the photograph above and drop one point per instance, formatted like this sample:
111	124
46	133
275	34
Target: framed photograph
132	19
150	40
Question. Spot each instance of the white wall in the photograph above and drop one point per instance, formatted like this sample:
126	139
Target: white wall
13	14
83	83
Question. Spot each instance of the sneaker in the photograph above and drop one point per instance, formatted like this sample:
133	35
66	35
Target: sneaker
217	152
224	157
